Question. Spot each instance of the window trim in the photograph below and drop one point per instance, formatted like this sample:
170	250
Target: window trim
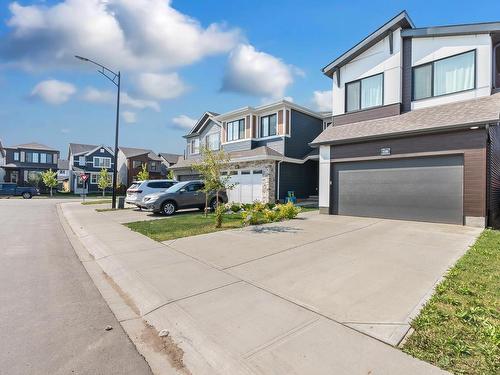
431	63
260	125
244	130
18	156
102	158
361	90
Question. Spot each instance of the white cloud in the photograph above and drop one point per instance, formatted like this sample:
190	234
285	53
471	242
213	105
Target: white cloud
161	86
183	122
94	95
129	117
323	100
256	73
130	34
65	130
53	91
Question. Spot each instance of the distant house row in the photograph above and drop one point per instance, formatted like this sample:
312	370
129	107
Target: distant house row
22	164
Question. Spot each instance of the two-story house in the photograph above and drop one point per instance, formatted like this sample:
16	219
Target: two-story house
24	163
268	150
415	130
2	161
88	160
63	177
131	161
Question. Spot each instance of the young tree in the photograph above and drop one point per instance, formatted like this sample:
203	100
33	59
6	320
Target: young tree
143	174
34	179
170	175
210	167
49	179
103	182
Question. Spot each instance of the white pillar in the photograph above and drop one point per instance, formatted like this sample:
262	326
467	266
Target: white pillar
324	179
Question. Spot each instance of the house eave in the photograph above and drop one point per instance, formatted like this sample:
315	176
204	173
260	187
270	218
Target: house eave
452	30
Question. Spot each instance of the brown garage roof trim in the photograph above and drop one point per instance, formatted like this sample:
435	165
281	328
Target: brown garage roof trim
442	117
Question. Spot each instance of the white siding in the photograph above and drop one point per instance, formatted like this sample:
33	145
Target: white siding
122	168
375	60
324	176
425	50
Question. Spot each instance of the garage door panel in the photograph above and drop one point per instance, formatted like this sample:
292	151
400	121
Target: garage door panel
428	189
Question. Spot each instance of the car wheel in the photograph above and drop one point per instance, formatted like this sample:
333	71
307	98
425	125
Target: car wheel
168	208
213	204
27	195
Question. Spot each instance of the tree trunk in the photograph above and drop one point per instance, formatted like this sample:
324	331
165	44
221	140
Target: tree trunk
103	191
51	192
206	204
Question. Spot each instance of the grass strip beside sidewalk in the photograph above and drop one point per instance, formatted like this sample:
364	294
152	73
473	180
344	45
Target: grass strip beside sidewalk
183	225
459	328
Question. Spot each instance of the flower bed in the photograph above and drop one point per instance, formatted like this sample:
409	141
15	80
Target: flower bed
262	213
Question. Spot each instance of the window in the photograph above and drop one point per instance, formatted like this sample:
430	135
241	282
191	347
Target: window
49	158
32	157
136	164
94	178
35	157
268	125
81	161
235	130
194	146
445	76
101	162
160	184
23	156
365	93
16	156
152	166
213	141
194	187
43	158
54	158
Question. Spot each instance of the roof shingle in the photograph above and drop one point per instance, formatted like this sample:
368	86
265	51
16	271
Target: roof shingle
442	117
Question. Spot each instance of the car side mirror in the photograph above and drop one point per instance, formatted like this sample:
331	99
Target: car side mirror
182	190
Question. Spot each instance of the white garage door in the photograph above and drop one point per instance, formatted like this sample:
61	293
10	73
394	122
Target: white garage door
247	186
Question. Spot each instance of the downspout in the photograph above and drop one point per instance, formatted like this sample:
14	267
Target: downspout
278	180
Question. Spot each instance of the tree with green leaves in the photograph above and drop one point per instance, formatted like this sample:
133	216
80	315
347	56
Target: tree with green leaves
143	174
49	179
103	181
170	175
210	167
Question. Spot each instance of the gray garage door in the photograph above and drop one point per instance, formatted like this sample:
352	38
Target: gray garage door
425	189
189	177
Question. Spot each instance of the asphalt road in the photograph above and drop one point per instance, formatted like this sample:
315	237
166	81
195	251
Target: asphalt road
52	317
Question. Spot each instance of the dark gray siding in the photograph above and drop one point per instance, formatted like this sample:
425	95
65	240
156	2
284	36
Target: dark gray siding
494	177
304	129
368	114
238	146
276	144
407	76
300	178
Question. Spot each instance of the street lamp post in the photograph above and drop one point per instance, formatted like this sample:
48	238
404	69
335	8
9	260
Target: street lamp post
115	79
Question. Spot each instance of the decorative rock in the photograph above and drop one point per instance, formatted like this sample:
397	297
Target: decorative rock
108	328
163	333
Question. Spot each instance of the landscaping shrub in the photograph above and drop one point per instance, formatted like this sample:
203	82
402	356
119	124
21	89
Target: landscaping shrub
258	206
288	211
219	212
235	207
271	215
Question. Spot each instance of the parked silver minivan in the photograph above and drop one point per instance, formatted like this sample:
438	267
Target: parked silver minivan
139	189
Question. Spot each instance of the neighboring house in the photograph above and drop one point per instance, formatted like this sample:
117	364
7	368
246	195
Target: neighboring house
167	161
268	147
89	160
415	130
2	162
63	175
26	161
131	160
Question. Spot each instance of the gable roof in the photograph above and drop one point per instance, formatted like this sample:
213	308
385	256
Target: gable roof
79	148
131	152
62	164
457	115
34	146
170	158
201	123
401	20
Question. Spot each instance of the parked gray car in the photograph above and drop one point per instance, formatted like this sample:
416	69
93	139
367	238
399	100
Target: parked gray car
187	194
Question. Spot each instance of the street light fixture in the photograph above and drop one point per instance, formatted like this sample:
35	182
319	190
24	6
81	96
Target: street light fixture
115	79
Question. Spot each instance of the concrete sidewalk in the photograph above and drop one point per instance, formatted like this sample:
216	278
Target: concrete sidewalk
220	322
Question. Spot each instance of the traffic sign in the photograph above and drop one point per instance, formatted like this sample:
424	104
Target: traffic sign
84	176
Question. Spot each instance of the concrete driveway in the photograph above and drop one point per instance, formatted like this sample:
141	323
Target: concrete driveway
372	275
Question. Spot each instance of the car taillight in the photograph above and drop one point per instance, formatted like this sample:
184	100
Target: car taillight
134	191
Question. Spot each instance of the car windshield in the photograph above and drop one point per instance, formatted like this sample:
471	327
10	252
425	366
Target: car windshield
176	187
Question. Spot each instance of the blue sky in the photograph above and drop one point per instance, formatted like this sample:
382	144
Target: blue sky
178	59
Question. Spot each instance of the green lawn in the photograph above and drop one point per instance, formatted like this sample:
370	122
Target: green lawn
183	225
459	328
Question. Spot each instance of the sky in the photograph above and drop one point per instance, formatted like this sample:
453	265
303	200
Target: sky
178	59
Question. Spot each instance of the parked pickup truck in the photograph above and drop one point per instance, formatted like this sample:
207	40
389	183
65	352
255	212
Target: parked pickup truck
11	189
